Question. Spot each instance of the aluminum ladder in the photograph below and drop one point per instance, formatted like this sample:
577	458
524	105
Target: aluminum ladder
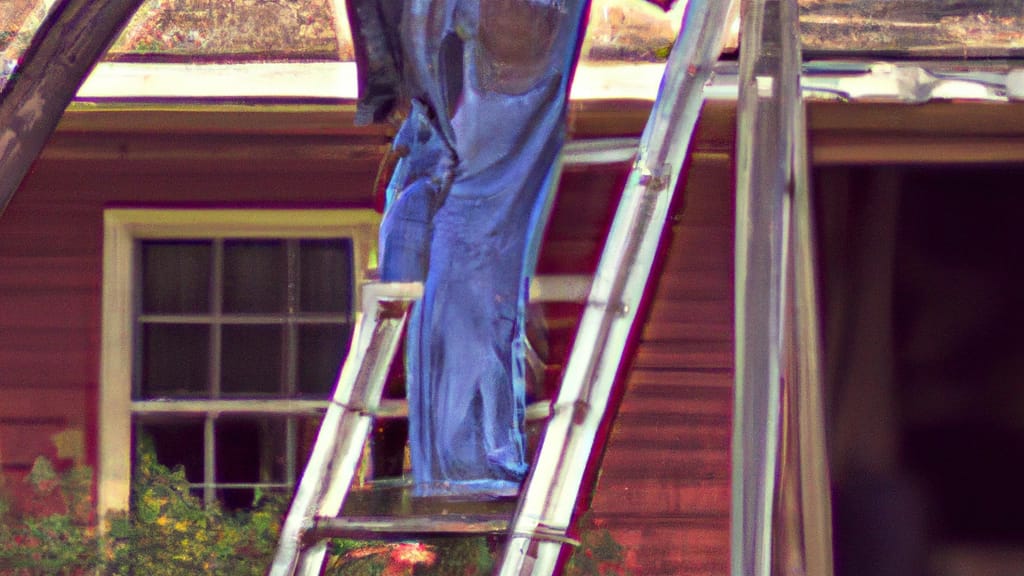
539	528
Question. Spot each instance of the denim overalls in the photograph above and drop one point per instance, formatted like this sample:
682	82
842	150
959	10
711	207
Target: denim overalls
487	86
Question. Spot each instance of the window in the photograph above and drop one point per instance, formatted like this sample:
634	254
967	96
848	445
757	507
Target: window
223	332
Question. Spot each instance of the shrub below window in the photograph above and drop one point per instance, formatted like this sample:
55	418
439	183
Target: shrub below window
169	532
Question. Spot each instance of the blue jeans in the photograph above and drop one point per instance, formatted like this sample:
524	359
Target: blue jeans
488	83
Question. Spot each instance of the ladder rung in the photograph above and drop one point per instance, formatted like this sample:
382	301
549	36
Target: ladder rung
546	288
598	151
393	408
405	526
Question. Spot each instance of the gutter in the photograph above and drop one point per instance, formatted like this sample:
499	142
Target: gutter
891	82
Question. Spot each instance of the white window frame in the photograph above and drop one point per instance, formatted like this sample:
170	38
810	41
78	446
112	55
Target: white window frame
123	228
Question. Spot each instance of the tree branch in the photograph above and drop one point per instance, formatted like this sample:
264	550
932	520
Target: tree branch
63	52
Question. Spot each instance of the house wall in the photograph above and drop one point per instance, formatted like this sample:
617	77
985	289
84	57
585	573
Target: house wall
663	490
51	237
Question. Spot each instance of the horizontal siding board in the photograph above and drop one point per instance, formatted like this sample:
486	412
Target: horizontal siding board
211	154
700	211
701	236
684	331
695	285
672	545
672	463
721	378
695	250
47	274
686	354
678	400
715	130
49	368
569	257
21	443
21	402
49	239
650	433
305	186
672	310
695	253
676	385
51	309
665	497
36	339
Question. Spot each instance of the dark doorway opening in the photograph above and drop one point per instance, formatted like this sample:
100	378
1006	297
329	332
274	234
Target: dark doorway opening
924	305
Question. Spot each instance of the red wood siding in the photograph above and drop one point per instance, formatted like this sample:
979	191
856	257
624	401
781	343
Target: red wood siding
664	485
663	488
51	235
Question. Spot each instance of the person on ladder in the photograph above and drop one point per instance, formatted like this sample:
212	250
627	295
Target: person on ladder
484	87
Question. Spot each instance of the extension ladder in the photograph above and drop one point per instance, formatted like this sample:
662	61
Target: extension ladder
539	527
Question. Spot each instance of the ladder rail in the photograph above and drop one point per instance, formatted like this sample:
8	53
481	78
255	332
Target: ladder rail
780	497
333	462
355	401
554	483
551	491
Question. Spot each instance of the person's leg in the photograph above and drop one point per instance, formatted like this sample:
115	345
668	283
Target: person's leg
417	186
466	378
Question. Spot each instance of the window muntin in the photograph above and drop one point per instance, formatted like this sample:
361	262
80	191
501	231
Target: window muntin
205	355
258	316
238	318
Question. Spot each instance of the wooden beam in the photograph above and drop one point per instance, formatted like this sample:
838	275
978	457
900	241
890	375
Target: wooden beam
63	52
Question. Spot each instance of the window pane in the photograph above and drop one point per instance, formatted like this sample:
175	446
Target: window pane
249	450
322	349
177	442
307	430
251	360
175	360
175	277
326	276
388	440
255	276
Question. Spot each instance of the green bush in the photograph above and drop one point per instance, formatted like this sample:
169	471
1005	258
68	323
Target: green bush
598	553
50	532
169	531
